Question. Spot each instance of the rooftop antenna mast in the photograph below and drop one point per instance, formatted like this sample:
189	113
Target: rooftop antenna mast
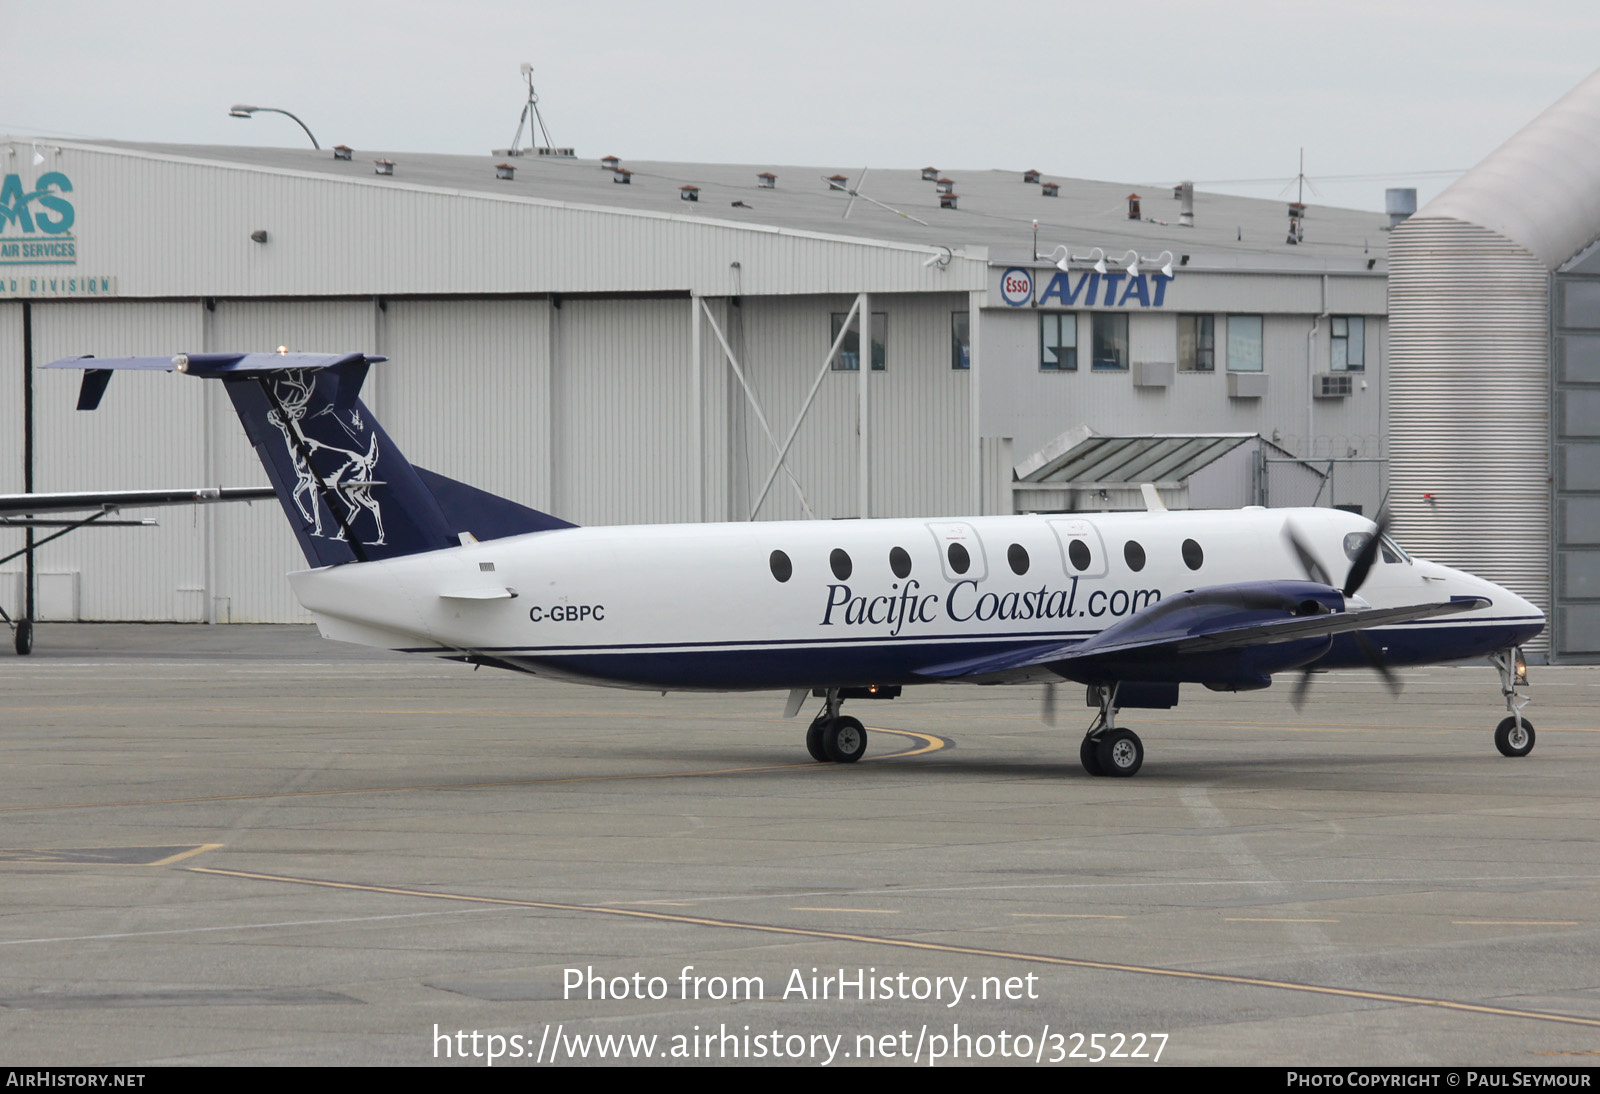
532	108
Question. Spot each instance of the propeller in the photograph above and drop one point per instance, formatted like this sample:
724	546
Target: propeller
1047	711
1360	570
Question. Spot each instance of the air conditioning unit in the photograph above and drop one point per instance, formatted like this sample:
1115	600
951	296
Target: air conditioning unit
1333	385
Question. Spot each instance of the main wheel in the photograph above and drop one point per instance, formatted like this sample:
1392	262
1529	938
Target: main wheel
1120	753
24	637
1089	756
814	745
1513	739
845	739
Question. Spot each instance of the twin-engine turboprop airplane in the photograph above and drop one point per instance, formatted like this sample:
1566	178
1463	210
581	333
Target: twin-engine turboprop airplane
1129	604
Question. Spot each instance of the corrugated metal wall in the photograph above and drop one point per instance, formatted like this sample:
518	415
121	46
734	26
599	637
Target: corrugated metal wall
1469	402
467	391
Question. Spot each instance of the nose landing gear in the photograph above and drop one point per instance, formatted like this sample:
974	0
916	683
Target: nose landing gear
1514	735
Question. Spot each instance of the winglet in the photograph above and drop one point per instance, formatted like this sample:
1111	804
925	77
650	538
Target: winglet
1152	500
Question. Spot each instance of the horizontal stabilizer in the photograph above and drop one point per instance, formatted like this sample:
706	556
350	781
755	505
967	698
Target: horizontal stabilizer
85	500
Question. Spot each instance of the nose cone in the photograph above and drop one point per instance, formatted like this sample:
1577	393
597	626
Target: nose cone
1520	618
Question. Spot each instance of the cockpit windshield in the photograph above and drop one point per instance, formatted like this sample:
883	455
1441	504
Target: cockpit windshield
1391	551
1387	548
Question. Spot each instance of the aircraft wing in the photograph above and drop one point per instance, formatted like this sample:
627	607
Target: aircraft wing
86	500
1200	623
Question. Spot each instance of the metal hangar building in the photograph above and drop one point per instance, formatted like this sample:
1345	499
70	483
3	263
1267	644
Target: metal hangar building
629	342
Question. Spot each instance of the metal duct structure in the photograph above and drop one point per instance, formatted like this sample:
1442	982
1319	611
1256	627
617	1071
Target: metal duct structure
1470	386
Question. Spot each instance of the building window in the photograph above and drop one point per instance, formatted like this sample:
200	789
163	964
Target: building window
1349	344
1244	343
1197	343
960	340
848	359
1110	341
1058	341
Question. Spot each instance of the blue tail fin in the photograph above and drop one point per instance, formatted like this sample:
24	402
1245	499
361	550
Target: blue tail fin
349	493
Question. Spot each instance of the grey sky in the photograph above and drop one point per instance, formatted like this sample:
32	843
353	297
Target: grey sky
1147	93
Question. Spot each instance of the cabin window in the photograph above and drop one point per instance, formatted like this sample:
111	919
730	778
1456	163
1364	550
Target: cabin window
1078	552
839	563
1017	555
782	568
1193	556
900	562
1133	555
960	561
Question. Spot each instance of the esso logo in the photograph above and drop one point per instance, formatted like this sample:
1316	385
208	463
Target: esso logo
1016	287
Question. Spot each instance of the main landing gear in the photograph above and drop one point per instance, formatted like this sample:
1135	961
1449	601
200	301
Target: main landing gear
1514	735
833	737
21	633
1108	749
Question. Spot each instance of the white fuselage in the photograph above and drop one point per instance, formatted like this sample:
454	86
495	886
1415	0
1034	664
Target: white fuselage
870	601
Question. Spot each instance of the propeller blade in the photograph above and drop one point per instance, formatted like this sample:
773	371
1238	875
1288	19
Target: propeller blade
1308	561
1302	688
1375	659
1047	710
1362	566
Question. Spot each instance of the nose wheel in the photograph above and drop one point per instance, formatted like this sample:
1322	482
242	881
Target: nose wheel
1514	735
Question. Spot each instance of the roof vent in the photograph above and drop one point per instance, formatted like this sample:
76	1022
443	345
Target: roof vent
768	180
383	167
689	193
1051	189
930	173
622	175
1400	203
343	152
609	163
947	199
504	171
1030	176
836	182
1133	207
946	186
1185	194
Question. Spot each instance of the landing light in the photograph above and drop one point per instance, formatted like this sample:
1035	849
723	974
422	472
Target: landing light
1520	663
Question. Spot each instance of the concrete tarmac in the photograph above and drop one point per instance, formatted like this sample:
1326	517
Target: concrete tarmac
246	845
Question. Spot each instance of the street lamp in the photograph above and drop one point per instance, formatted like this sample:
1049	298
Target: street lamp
241	111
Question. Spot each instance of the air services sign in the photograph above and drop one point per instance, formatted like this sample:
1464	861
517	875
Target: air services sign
36	222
